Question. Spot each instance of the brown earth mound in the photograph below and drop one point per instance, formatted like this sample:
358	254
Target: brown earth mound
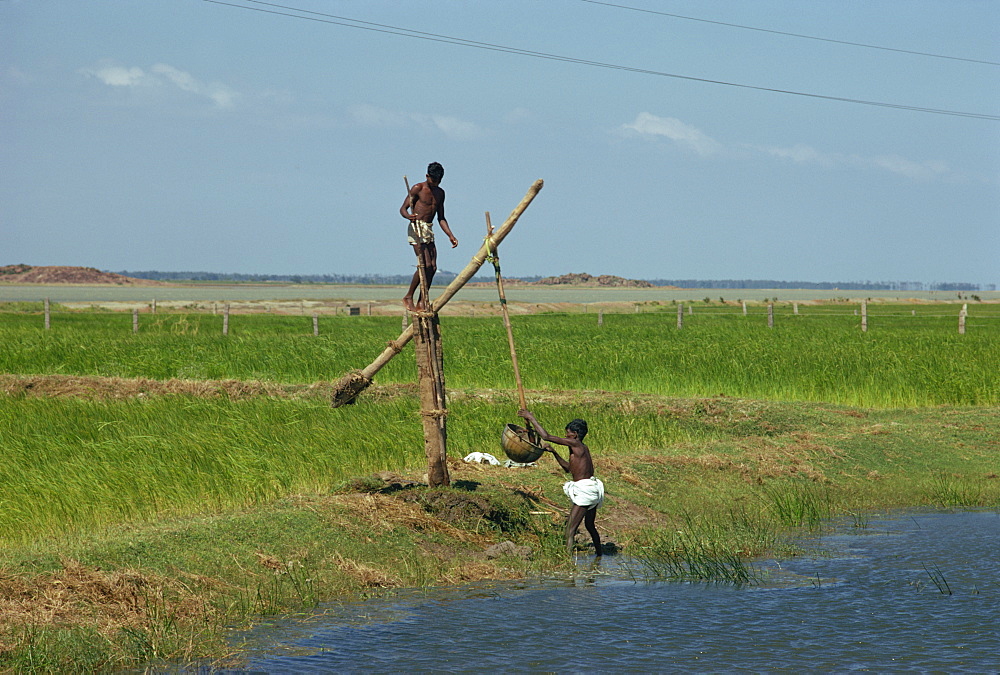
584	279
26	274
604	281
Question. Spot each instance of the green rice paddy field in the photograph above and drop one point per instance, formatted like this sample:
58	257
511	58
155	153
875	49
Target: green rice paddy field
78	461
162	486
908	357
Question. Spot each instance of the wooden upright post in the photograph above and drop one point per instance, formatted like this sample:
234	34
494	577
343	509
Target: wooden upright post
430	375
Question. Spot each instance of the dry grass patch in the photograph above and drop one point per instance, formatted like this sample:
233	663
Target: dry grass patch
378	513
117	388
365	575
78	594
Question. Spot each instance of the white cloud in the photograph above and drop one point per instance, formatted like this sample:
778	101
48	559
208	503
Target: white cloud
653	126
646	124
456	128
804	154
373	116
118	76
163	76
453	127
800	154
909	168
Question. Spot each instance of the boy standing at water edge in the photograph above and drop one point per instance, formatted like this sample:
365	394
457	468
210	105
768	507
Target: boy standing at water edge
585	491
424	201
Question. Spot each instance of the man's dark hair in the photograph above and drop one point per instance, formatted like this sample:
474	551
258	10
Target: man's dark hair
435	171
579	426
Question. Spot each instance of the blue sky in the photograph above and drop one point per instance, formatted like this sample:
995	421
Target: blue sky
190	135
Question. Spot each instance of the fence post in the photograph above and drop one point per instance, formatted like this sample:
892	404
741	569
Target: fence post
47	321
369	309
680	315
864	316
961	319
315	324
225	320
600	317
795	308
744	308
405	315
135	319
770	315
154	305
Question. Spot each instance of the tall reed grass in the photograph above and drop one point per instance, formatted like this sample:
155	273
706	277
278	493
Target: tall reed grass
714	550
811	358
72	464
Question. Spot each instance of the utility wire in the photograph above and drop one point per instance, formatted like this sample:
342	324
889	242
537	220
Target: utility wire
434	37
797	35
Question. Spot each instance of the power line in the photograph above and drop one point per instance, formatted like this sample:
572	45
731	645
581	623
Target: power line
796	35
446	39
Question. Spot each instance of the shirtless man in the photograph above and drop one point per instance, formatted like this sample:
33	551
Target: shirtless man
424	201
584	491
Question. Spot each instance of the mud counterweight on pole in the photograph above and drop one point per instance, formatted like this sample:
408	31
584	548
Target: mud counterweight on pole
351	385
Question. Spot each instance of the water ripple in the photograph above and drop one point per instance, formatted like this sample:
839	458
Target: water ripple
915	593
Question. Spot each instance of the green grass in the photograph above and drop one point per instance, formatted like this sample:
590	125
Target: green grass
817	421
78	465
815	357
73	464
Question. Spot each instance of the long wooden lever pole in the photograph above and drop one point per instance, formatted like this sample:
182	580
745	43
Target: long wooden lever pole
506	317
353	383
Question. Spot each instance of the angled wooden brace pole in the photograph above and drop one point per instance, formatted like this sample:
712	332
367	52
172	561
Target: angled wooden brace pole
353	383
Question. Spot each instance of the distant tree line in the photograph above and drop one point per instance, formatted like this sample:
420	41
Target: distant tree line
444	277
820	285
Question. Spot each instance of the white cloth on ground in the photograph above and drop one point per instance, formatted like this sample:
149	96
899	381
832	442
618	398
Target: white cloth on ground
481	458
588	492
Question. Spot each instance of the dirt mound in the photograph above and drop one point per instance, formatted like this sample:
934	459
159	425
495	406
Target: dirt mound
577	280
602	281
26	274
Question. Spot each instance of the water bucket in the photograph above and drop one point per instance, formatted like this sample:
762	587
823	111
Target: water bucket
520	444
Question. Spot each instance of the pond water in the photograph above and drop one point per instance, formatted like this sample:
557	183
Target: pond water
919	592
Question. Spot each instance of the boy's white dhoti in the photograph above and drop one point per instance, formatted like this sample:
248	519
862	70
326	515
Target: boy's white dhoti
588	492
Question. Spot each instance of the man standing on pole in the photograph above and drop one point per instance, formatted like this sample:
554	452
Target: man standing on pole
423	202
